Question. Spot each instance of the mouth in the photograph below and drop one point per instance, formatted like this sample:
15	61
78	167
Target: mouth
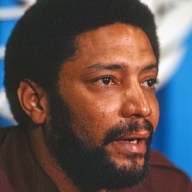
131	143
134	137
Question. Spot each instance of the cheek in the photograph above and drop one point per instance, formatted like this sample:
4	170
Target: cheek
154	117
91	120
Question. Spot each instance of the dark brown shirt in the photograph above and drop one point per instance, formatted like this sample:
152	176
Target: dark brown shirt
20	172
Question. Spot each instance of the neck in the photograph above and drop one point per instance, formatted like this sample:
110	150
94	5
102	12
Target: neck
48	163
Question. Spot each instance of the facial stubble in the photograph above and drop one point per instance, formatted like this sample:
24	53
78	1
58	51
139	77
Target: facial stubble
91	169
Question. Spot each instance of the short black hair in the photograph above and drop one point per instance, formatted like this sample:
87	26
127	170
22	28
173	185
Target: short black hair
44	38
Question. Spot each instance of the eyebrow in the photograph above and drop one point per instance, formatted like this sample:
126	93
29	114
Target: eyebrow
151	66
101	66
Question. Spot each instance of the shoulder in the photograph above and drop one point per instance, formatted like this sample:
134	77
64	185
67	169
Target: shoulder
164	173
163	177
159	162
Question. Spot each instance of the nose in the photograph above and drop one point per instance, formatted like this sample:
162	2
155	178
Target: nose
135	102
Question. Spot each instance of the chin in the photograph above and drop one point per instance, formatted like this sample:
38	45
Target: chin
135	162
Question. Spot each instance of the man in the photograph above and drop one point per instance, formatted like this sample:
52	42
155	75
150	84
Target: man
80	76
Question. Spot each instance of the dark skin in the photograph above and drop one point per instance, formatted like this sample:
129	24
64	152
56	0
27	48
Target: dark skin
110	81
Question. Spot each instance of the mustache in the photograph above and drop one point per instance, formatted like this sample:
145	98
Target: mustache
117	131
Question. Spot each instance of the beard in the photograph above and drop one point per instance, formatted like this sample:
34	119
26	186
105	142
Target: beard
92	169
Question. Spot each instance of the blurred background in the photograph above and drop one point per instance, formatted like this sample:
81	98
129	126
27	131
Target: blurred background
174	21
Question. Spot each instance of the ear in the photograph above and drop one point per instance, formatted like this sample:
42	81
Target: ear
33	100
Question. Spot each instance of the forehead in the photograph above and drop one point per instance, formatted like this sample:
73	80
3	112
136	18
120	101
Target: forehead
116	38
123	32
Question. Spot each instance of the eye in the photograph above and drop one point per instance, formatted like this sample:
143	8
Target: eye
106	80
150	83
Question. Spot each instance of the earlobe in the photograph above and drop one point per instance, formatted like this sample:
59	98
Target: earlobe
33	101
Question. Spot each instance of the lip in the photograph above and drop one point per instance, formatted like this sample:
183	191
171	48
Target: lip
132	143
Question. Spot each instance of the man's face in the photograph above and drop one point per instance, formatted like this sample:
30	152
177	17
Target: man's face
107	110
